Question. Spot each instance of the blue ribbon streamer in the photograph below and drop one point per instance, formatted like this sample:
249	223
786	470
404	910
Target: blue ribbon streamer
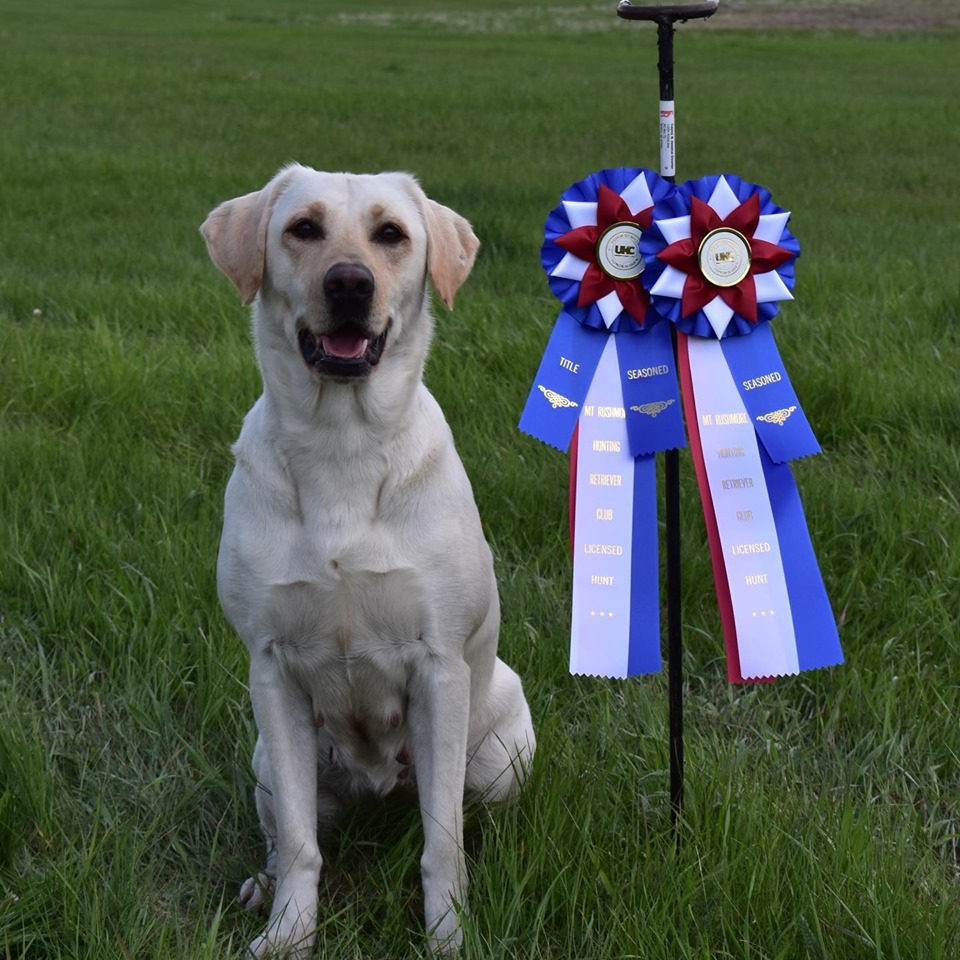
648	378
767	557
651	394
562	381
818	641
645	590
768	395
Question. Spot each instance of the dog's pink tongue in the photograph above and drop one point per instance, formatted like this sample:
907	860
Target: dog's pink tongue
343	346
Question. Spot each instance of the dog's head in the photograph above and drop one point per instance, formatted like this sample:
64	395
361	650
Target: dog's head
340	263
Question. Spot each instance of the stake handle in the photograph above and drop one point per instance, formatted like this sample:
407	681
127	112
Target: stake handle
667	12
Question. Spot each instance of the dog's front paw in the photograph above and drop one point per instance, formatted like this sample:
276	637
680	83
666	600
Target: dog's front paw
445	936
290	934
255	891
266	948
295	943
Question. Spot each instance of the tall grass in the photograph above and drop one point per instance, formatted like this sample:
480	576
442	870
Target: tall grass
822	812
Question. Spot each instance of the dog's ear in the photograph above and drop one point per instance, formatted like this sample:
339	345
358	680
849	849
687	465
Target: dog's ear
451	248
236	236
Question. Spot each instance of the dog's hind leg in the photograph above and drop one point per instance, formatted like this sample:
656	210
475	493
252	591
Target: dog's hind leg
502	741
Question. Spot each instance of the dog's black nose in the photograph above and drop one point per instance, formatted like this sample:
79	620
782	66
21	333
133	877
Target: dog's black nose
349	285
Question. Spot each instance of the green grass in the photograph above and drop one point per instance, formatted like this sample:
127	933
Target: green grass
822	813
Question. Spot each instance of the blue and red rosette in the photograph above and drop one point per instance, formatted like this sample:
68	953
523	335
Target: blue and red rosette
672	223
624	251
587	209
682	291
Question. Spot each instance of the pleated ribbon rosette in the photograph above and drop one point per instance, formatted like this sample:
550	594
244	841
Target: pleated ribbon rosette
716	259
609	374
728	257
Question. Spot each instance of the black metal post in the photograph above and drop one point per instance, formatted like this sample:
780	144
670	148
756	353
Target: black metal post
665	17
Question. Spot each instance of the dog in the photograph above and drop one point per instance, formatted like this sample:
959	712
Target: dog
352	561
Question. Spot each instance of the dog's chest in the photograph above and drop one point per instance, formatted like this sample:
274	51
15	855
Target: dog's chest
333	582
348	624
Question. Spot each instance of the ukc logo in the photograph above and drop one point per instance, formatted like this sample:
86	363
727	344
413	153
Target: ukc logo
618	251
724	257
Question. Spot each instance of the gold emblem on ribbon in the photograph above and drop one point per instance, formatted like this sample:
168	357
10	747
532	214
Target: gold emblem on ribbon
555	399
652	409
618	251
724	257
779	417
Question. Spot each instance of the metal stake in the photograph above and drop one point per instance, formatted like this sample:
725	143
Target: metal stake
665	17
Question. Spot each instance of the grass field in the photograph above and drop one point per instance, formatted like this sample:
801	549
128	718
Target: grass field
823	812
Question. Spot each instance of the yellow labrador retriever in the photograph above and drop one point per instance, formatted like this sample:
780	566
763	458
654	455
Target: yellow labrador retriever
352	561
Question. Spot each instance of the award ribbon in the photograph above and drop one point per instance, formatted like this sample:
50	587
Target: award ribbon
591	254
625	251
608	372
729	263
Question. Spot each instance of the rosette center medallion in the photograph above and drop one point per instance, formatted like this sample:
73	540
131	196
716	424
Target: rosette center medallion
724	257
618	251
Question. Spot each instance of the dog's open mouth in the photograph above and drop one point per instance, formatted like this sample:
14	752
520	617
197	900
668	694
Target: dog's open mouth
345	355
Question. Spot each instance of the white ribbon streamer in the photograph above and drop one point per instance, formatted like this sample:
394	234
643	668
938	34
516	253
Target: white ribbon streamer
603	529
748	534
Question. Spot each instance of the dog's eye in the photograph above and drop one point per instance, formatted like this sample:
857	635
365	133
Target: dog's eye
389	233
305	230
